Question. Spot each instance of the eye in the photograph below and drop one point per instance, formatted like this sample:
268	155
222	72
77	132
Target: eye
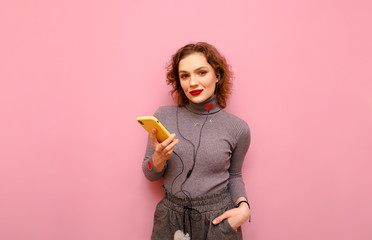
184	76
202	73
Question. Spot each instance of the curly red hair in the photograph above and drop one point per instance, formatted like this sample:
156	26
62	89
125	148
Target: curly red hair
214	58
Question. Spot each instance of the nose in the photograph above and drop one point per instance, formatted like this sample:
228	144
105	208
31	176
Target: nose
193	80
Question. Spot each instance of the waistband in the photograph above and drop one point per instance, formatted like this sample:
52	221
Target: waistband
206	203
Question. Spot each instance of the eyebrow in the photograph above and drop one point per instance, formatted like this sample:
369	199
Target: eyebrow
194	70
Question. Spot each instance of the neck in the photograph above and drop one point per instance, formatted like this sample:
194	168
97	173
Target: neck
207	107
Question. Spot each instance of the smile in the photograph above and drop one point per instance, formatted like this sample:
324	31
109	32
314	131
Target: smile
196	92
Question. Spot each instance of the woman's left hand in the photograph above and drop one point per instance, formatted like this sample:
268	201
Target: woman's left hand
235	217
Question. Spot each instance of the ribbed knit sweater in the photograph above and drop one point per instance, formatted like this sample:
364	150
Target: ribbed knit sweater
224	141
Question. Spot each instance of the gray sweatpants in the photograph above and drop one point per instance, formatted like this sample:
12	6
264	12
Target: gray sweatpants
194	216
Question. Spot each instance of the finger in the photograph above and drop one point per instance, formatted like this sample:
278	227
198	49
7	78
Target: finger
220	218
169	154
166	142
153	138
171	145
163	147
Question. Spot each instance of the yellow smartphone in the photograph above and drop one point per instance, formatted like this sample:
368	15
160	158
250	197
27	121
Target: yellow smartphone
150	122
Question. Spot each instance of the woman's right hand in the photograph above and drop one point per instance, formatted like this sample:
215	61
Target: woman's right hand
163	151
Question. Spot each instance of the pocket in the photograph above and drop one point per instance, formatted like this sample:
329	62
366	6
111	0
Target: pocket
161	228
161	212
222	231
228	226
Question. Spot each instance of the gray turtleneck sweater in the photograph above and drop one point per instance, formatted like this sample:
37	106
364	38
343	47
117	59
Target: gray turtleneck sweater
224	141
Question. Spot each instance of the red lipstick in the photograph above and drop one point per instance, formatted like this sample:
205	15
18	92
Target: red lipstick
196	92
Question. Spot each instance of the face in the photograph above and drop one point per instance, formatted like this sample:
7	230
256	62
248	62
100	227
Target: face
197	77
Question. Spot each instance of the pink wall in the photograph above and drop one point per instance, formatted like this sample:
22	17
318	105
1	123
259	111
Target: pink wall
75	75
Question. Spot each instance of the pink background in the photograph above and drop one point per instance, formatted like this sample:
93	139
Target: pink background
75	75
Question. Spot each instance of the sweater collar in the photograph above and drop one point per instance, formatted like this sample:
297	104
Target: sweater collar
209	106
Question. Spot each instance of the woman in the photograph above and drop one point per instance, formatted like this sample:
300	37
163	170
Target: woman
205	196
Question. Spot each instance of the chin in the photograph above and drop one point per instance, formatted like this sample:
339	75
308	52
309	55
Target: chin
198	99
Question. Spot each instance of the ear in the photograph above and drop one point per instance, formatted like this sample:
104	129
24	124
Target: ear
218	74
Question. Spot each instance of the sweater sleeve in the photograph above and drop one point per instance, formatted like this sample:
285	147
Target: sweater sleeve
236	183
148	168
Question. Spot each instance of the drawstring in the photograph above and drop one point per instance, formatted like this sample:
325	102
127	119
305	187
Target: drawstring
189	210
